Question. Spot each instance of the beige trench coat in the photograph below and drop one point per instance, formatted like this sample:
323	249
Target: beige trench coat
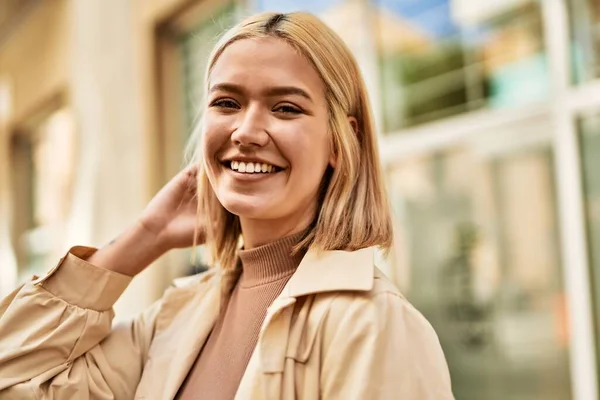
339	330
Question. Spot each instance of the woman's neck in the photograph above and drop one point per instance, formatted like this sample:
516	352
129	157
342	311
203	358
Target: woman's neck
271	262
260	232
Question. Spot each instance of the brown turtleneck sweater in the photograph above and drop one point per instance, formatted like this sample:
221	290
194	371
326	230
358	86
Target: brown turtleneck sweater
217	372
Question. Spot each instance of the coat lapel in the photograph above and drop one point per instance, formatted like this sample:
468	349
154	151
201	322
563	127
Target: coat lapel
195	333
263	376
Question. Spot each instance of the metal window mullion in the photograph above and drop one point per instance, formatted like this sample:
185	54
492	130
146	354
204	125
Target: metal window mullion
584	99
452	131
570	205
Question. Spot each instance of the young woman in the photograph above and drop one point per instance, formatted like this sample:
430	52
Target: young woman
290	199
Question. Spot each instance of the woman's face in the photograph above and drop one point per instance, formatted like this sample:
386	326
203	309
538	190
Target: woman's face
266	144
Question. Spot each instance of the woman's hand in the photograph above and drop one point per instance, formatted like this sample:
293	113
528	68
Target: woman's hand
171	216
169	221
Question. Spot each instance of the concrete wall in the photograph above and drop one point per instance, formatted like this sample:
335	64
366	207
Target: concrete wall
99	58
33	72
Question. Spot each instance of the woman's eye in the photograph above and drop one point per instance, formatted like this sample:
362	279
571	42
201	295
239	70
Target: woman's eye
225	103
288	109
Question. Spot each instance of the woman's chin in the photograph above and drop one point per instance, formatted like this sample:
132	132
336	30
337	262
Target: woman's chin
248	208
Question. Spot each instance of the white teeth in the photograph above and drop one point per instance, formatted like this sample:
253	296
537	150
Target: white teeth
251	167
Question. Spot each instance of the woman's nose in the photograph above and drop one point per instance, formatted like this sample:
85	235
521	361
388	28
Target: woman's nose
252	129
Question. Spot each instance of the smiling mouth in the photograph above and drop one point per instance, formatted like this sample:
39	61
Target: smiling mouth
252	167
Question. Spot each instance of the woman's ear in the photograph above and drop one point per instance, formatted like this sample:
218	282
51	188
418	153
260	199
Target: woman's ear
353	124
333	157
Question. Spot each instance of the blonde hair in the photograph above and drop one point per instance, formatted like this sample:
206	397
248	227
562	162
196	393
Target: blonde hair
353	211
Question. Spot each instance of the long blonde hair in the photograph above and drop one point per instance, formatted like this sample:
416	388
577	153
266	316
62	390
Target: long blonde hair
354	211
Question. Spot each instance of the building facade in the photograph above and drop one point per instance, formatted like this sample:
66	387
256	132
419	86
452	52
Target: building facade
489	114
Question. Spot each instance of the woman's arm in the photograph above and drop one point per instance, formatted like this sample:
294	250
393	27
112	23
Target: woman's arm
56	339
169	221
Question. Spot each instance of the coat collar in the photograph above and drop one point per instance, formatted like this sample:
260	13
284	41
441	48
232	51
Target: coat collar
319	271
334	270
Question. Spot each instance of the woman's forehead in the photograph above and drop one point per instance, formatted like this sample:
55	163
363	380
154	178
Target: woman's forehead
265	61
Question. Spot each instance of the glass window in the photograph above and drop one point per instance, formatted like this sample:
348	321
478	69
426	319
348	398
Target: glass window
42	187
585	24
590	156
444	57
195	47
285	6
477	252
346	17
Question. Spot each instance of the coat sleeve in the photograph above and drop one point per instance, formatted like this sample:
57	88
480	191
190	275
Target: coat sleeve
56	339
379	347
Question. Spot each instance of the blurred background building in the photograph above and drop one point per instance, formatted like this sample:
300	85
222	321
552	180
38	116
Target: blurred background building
489	113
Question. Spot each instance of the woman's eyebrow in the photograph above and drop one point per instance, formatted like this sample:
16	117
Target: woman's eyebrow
270	92
287	90
227	87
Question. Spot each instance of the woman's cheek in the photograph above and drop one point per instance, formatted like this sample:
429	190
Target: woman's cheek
214	136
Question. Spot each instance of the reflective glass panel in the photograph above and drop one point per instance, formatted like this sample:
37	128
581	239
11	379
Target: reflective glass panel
195	47
440	58
43	189
285	6
585	39
477	252
590	157
348	18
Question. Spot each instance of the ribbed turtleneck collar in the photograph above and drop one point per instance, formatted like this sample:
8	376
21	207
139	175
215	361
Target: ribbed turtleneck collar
271	262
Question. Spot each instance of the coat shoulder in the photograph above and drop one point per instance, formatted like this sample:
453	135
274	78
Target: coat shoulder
382	314
374	329
374	306
382	288
383	285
